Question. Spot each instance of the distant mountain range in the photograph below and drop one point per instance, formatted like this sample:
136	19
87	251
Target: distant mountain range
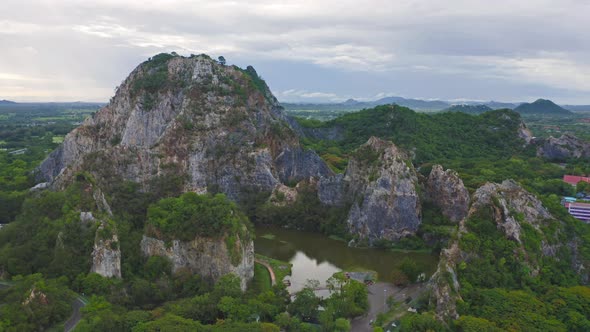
470	109
6	102
541	106
353	105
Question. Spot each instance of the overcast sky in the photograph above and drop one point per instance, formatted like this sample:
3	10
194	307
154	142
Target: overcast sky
306	50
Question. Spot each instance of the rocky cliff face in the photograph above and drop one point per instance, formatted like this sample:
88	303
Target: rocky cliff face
208	257
565	147
446	190
525	133
511	206
106	255
380	186
217	126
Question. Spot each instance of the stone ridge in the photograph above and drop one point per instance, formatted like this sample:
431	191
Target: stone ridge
216	126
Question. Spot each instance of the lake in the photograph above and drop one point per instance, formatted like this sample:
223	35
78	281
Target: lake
315	256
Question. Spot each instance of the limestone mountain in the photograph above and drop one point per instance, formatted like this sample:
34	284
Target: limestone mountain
380	186
189	122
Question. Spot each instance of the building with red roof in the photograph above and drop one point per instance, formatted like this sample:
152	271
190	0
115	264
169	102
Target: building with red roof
574	179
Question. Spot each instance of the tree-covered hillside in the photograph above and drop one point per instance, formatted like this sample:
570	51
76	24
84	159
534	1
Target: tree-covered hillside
433	138
542	106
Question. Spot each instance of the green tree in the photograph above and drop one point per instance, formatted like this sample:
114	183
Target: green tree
305	305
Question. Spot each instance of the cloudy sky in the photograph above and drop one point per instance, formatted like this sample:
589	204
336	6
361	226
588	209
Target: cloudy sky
314	50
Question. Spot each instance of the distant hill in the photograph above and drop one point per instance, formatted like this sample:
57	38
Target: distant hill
415	104
541	106
499	105
6	102
469	109
355	105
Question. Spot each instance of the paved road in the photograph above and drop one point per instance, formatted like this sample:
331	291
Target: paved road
71	323
273	279
378	294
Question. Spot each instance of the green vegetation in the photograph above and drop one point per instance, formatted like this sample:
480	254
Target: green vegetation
546	125
280	268
22	128
45	250
499	287
192	215
491	135
262	281
34	304
307	213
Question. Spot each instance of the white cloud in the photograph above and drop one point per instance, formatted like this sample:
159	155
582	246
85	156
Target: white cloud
416	47
547	67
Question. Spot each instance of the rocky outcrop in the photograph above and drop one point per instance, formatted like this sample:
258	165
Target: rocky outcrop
510	206
283	195
445	190
208	257
106	255
204	123
565	147
380	186
444	284
525	133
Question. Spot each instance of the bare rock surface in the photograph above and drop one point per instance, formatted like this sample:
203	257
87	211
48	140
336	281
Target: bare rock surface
565	147
208	257
379	185
447	191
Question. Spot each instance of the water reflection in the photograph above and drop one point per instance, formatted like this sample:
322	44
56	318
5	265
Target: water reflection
315	256
305	268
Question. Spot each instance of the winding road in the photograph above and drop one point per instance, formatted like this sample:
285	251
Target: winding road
78	303
76	316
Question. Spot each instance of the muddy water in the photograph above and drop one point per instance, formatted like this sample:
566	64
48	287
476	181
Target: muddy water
315	256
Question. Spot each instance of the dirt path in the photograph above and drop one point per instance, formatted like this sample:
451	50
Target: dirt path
273	279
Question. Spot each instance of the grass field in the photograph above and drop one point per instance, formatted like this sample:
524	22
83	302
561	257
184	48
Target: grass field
261	280
57	139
